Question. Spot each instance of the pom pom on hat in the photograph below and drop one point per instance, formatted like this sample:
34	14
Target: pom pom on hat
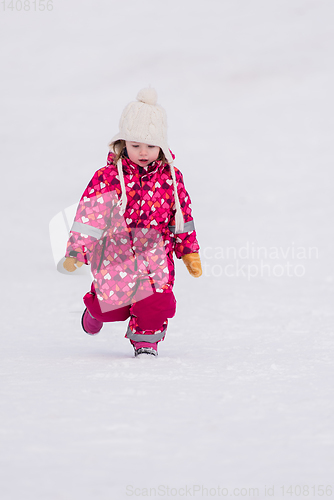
147	96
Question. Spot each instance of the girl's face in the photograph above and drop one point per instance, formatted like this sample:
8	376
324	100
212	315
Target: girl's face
142	154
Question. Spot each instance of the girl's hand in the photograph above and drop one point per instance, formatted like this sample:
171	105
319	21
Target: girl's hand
193	264
70	262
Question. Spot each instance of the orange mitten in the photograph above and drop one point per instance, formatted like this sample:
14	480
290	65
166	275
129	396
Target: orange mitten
70	262
193	263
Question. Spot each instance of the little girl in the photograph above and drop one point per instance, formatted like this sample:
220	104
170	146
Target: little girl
134	213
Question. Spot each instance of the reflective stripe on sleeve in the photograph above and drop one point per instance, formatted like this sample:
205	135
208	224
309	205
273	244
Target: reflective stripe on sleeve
141	337
79	227
188	226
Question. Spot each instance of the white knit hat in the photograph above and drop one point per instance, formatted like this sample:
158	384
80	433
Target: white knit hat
145	121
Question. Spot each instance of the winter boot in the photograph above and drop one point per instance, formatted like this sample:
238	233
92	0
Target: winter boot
144	348
89	324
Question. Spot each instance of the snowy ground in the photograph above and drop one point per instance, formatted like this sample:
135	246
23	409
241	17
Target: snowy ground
241	395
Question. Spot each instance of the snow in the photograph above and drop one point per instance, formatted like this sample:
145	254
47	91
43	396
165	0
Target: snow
241	394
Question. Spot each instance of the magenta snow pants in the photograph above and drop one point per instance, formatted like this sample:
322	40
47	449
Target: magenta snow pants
148	316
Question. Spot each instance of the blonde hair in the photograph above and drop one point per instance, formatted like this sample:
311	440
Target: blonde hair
118	147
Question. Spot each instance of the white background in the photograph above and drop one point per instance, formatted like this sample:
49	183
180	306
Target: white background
241	394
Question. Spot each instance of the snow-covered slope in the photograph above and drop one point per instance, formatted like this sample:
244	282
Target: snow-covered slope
241	395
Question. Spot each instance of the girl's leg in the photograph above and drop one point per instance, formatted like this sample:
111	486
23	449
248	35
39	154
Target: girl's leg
93	318
148	323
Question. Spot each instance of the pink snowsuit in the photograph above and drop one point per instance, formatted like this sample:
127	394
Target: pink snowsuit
131	255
